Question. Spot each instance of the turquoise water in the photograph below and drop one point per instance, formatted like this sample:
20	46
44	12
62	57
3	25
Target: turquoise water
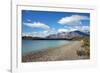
38	45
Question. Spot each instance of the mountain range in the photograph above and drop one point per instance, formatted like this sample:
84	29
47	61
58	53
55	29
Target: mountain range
62	35
69	35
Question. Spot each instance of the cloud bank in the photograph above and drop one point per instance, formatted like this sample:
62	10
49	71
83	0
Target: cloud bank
72	20
62	30
37	25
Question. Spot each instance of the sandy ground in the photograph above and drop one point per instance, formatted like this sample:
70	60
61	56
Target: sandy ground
65	52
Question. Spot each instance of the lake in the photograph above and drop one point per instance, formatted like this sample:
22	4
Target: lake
38	45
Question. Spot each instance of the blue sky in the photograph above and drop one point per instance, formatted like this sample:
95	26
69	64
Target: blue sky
44	22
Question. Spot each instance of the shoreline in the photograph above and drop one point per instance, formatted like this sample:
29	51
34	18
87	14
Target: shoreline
64	52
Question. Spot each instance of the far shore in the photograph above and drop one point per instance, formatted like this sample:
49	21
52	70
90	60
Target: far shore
64	52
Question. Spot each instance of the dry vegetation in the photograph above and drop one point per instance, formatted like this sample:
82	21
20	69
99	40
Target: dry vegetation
85	48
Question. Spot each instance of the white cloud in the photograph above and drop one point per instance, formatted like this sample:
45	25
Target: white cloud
37	25
72	20
36	34
27	34
80	28
62	30
45	32
73	29
40	34
85	28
